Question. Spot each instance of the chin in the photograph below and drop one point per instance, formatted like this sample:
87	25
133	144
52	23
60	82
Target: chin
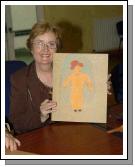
46	62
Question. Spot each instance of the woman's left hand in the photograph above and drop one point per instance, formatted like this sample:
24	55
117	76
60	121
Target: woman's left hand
109	83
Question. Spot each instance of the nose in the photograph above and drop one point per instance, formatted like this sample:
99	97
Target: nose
45	47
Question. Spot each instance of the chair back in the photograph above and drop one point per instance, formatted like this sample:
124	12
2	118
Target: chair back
10	67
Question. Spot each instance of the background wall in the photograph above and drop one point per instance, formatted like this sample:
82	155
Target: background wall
78	23
85	28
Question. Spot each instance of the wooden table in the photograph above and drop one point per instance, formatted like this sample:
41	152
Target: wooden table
17	152
71	139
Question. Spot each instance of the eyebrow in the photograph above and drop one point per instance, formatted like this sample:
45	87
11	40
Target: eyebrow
43	41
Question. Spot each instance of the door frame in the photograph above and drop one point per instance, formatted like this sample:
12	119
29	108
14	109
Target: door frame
9	35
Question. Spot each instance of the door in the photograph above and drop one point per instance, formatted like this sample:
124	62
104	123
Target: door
18	24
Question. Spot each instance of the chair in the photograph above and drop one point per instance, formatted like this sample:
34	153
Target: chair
10	67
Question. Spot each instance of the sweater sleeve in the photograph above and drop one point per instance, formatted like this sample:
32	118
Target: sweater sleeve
23	115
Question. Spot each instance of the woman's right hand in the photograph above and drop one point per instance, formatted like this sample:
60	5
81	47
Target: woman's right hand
46	107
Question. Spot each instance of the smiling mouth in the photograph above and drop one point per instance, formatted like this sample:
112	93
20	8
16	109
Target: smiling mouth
45	56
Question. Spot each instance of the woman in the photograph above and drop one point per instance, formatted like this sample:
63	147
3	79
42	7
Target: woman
31	91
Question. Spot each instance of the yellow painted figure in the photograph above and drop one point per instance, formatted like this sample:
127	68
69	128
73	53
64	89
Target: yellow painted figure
77	81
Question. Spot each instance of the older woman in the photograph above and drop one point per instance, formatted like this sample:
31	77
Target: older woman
31	91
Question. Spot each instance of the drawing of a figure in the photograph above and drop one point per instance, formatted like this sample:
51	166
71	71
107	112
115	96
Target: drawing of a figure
77	80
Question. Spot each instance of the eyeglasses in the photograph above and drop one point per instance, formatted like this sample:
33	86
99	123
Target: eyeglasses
42	45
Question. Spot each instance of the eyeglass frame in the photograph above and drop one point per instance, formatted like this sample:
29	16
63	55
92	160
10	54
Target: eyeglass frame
42	45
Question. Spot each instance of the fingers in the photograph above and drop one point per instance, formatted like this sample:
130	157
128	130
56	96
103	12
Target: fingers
11	142
108	90
109	93
13	146
17	142
108	80
7	142
109	76
45	102
109	83
48	106
45	112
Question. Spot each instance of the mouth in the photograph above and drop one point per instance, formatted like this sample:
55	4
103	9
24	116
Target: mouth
45	56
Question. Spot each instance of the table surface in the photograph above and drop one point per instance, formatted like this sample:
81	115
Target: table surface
17	152
68	138
71	139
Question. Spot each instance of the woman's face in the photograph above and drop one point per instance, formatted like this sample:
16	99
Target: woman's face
43	48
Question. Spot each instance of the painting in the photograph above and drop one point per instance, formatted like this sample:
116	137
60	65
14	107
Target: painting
80	87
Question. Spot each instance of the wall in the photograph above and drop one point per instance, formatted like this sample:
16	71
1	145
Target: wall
79	20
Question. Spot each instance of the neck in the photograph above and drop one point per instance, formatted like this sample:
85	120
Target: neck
44	73
44	68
